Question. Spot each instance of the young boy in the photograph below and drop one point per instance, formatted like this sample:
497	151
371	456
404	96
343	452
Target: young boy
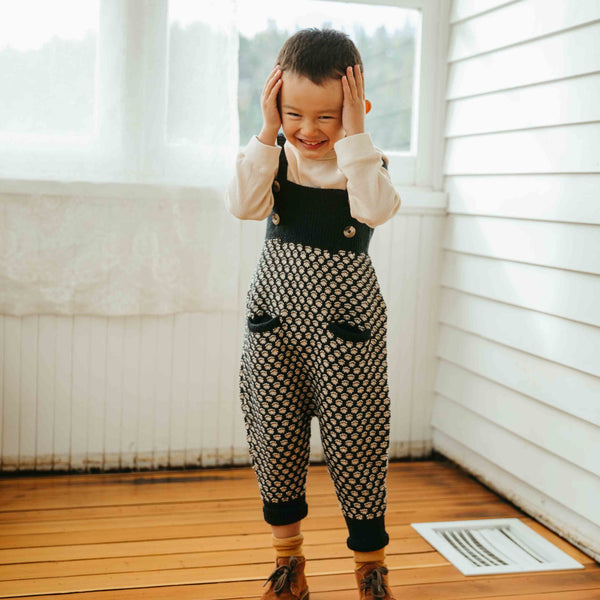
316	322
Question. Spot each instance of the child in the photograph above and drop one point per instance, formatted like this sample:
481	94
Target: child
316	322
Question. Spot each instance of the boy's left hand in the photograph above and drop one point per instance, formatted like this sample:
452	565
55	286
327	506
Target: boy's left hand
353	108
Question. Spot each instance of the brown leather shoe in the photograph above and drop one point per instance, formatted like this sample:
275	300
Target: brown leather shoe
288	581
372	580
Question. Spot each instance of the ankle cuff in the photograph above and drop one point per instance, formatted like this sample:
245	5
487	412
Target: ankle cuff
367	535
285	513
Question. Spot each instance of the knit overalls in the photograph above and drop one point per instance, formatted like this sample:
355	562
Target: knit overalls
315	345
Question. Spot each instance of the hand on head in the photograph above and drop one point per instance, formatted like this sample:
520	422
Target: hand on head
355	106
270	111
313	116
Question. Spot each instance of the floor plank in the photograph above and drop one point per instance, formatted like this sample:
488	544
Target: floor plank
178	534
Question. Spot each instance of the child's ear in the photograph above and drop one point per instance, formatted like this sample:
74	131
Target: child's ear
367	106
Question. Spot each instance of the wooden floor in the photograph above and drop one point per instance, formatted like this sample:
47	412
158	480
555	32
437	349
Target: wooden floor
200	535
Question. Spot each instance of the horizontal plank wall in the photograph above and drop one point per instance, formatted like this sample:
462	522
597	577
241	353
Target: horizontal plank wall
95	393
518	382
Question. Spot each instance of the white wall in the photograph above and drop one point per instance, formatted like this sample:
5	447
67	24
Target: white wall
89	392
518	383
101	393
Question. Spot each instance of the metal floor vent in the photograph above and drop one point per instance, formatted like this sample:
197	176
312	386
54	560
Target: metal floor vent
485	546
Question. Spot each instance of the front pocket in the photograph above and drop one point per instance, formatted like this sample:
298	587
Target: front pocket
263	322
349	332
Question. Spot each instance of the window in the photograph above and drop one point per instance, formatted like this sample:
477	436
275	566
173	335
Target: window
47	65
167	91
121	96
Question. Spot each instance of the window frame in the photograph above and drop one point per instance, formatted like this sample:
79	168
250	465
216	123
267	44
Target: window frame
421	166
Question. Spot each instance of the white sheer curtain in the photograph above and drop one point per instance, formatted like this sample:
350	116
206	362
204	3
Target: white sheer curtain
111	192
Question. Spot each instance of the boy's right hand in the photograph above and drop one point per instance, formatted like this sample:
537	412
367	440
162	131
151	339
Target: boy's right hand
270	111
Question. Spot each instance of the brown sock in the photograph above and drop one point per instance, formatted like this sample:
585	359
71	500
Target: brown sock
288	546
361	558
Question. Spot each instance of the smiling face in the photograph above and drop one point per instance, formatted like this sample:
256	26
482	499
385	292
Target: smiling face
311	114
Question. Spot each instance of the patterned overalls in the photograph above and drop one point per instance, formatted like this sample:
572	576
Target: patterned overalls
315	345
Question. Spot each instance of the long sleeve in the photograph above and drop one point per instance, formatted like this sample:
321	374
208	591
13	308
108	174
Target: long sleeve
371	194
355	164
249	194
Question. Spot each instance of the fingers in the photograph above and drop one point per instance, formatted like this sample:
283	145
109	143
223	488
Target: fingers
268	105
346	88
360	81
273	81
274	90
353	83
353	109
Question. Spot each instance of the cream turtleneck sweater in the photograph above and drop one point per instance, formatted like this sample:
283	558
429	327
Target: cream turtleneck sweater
354	164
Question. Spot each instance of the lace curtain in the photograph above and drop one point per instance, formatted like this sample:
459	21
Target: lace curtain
111	198
119	255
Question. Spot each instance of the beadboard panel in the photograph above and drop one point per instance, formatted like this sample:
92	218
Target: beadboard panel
564	102
515	23
569	53
93	393
549	197
518	376
427	332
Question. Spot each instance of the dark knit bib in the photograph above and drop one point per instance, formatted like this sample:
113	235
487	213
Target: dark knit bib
313	216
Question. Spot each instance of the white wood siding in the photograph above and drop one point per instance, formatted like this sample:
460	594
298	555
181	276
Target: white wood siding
518	380
95	393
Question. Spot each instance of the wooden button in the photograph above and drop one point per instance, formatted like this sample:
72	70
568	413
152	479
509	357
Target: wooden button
276	186
349	231
275	218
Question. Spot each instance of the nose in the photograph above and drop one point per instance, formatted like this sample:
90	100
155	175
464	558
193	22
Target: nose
310	127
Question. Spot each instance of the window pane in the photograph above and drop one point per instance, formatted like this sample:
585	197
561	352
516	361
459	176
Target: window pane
200	36
47	66
385	36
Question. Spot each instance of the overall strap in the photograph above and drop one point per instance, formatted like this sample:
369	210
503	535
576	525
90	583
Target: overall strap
282	172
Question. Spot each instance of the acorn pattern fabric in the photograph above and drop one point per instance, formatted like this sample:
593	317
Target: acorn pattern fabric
315	346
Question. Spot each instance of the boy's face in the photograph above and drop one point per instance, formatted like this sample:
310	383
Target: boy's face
311	115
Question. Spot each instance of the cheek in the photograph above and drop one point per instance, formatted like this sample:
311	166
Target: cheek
335	130
288	124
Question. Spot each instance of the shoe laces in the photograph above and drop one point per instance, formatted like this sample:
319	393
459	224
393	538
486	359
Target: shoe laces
282	575
375	583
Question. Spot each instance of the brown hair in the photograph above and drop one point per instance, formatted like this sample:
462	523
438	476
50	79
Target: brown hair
318	54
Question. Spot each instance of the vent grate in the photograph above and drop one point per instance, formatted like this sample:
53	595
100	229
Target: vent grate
485	546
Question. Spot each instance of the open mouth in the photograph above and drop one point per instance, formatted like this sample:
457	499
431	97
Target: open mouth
312	145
